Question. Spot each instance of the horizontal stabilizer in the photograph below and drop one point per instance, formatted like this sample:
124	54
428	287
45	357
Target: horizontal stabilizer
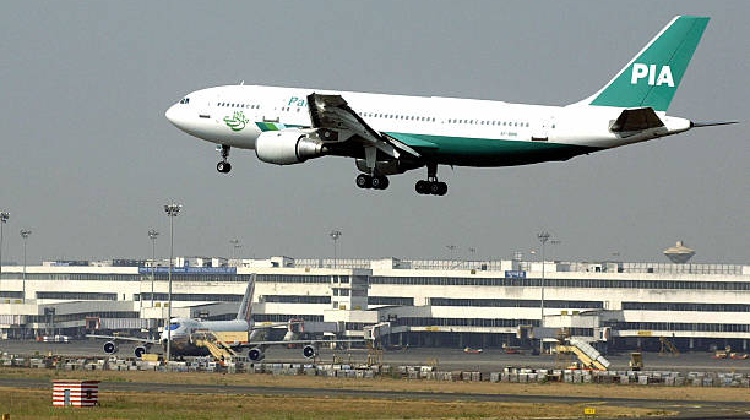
636	120
710	123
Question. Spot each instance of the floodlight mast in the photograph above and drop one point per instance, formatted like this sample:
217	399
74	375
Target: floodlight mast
235	246
335	235
25	233
153	234
172	210
543	238
4	216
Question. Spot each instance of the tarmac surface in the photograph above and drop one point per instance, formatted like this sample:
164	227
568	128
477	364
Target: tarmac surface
491	360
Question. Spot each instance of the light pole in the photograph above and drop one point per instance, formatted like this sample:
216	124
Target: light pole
235	246
25	235
543	238
452	254
153	234
171	210
335	235
4	216
472	255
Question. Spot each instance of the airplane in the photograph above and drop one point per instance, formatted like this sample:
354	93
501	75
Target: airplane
391	134
182	332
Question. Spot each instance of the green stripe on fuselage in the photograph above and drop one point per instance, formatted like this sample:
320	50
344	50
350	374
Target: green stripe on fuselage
467	151
269	125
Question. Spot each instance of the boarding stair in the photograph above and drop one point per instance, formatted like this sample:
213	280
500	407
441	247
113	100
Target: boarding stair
588	356
668	347
218	349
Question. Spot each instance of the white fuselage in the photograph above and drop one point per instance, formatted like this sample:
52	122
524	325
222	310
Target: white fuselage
183	328
207	111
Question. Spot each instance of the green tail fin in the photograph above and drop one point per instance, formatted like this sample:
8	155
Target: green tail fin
651	78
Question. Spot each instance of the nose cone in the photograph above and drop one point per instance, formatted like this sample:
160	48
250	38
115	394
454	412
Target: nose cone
172	115
179	115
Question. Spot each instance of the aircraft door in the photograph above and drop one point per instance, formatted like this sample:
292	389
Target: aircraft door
204	108
542	128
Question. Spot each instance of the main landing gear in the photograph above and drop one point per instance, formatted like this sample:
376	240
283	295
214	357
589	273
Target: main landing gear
377	182
431	185
224	166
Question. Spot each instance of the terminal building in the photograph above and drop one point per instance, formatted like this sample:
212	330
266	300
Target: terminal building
489	304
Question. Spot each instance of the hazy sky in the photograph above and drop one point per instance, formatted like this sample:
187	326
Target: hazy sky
87	158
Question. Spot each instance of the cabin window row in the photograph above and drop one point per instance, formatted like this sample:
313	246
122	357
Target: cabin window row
398	117
233	105
490	123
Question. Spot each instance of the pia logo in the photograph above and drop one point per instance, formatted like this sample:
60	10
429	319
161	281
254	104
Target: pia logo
643	71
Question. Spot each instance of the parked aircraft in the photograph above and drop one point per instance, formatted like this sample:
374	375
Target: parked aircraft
183	333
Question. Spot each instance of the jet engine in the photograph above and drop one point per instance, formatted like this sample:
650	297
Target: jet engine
139	351
287	147
110	347
308	351
255	354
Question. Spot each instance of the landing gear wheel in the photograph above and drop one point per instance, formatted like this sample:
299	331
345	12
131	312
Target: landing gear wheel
379	182
364	181
431	187
224	167
442	188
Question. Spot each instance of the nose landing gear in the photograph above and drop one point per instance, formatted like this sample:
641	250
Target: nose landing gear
224	166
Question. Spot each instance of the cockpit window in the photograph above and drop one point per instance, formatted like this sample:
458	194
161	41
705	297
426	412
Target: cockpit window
185	101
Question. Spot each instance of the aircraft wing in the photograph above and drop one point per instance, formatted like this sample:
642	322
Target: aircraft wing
332	112
116	338
636	119
266	325
285	342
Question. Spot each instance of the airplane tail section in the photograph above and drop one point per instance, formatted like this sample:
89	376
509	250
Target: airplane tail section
245	311
651	78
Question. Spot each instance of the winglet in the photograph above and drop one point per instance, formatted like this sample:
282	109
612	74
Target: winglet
651	78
